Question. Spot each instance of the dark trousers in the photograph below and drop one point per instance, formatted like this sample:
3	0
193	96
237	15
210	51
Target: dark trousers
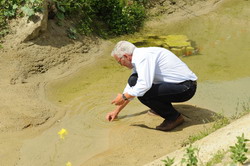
160	96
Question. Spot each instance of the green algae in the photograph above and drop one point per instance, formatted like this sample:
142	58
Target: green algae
178	44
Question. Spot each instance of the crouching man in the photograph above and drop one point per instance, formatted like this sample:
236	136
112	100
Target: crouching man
158	79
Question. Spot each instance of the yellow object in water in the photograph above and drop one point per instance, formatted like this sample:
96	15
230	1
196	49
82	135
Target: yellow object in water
68	164
62	133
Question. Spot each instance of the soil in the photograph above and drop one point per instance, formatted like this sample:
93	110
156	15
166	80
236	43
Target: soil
30	113
25	70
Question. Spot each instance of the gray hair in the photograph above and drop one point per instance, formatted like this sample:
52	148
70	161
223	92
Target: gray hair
123	47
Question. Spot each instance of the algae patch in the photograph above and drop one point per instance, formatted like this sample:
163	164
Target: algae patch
178	44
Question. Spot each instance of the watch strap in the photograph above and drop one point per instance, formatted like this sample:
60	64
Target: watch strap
124	97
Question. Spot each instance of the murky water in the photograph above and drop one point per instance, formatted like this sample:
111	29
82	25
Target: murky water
223	37
223	69
224	76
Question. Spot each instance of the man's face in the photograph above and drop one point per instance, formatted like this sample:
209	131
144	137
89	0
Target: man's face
125	61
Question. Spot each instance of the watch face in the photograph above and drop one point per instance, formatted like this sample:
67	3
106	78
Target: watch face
124	97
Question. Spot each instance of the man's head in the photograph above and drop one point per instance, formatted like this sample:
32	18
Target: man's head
123	52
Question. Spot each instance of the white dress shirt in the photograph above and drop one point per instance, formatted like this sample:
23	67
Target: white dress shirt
155	65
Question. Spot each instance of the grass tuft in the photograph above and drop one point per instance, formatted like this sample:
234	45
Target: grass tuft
219	121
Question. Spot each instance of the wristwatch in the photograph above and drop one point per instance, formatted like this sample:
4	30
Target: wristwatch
124	97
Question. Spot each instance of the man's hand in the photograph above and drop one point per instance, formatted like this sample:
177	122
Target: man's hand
118	100
111	115
121	103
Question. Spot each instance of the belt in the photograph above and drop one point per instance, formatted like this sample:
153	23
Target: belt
189	81
194	82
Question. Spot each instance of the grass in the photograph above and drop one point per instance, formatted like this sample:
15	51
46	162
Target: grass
245	110
238	155
190	158
168	161
217	158
238	152
219	121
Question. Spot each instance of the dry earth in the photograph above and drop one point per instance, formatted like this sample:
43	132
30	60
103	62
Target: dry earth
26	68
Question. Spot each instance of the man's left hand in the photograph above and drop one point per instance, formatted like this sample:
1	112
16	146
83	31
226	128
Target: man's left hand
118	100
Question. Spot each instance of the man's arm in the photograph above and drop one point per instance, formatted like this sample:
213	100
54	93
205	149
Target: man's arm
121	101
112	115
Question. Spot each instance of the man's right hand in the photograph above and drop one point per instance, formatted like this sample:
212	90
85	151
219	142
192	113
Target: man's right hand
111	116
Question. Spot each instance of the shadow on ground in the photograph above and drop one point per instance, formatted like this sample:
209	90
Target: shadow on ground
193	115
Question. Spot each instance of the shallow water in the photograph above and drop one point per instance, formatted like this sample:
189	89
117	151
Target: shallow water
223	69
223	38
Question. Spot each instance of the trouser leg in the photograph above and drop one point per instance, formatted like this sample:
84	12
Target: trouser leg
160	96
164	109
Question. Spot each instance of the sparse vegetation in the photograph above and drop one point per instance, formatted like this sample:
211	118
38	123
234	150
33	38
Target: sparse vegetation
168	161
216	158
190	158
31	7
16	8
219	121
239	150
238	155
72	33
245	110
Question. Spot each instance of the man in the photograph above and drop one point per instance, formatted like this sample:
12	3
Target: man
158	78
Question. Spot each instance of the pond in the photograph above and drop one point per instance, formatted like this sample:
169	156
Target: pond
223	38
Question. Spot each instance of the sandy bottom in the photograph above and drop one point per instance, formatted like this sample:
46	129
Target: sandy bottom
131	140
79	102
